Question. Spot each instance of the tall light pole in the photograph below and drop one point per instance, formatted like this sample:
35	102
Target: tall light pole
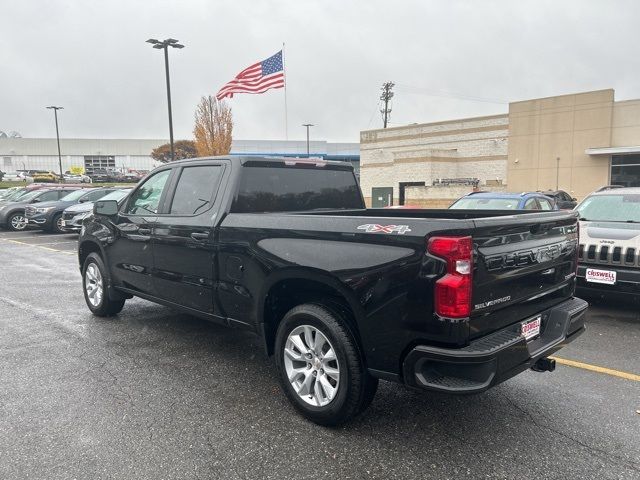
164	45
55	114
308	125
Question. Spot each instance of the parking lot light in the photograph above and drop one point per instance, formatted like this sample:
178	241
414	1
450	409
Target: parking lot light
55	114
164	45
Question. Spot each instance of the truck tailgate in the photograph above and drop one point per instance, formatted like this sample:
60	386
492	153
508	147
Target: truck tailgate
523	265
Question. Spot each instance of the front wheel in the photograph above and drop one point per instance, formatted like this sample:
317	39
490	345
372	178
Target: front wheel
94	283
320	366
17	222
57	224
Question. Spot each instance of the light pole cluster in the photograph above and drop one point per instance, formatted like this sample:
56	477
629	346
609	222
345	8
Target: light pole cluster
164	45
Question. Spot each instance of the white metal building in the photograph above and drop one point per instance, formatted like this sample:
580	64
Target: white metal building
124	154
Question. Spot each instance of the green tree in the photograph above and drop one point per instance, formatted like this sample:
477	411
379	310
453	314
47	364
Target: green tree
182	149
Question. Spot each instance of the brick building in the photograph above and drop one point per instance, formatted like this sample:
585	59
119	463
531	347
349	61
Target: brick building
575	142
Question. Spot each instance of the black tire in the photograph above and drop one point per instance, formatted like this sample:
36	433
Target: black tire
356	388
55	224
105	307
12	222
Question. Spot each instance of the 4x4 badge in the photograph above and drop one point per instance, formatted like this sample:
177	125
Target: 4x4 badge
374	228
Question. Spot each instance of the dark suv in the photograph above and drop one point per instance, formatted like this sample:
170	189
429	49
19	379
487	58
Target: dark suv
12	213
563	200
48	215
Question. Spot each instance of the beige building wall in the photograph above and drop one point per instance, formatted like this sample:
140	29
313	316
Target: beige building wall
626	124
466	148
548	138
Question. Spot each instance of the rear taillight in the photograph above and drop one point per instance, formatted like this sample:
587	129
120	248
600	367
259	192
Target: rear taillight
453	290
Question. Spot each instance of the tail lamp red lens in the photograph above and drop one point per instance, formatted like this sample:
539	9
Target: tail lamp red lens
453	290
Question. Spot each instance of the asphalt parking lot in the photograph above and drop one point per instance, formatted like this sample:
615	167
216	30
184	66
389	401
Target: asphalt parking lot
156	394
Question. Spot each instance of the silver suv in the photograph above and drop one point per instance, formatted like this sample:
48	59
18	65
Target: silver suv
609	252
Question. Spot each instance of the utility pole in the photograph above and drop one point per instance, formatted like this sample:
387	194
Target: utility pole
55	113
386	96
308	125
164	45
557	172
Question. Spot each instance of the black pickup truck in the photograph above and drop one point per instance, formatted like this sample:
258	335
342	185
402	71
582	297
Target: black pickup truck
443	300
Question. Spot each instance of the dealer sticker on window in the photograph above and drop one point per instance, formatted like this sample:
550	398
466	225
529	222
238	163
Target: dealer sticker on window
594	275
531	328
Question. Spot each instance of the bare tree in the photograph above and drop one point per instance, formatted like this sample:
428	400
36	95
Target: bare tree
214	127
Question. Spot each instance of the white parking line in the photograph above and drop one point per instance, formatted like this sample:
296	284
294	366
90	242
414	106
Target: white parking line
32	236
51	243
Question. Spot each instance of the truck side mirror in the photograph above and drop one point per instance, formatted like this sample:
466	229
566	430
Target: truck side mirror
105	207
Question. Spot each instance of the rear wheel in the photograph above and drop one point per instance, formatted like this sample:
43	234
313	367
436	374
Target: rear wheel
320	366
17	222
94	283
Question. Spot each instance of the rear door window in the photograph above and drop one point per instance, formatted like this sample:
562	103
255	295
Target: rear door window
196	189
544	204
49	196
531	204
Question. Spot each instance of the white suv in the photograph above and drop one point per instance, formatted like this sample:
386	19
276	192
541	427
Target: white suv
609	252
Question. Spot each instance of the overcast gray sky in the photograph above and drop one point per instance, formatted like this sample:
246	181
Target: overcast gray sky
91	58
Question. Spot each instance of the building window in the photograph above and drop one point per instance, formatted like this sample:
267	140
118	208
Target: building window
98	162
625	170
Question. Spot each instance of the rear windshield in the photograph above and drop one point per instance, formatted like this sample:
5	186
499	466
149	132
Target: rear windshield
612	208
486	204
293	189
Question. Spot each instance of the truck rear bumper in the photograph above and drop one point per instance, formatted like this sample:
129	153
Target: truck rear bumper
494	358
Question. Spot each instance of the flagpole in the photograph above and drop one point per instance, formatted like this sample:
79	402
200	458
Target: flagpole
286	120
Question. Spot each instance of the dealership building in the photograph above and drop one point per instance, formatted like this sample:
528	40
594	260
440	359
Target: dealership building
576	143
127	154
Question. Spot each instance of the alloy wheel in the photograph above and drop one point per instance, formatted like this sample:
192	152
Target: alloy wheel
18	222
311	365
93	284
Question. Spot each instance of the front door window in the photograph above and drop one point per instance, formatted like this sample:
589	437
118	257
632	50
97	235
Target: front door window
146	199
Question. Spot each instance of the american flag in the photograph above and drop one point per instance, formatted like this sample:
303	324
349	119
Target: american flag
257	78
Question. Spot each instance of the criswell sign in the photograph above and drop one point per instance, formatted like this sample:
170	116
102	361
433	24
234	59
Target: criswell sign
375	228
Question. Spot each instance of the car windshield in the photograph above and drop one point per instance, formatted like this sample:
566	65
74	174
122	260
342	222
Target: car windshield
116	194
6	194
26	195
611	208
484	203
73	196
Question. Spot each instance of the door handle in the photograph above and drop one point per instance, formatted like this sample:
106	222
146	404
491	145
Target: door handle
200	236
144	231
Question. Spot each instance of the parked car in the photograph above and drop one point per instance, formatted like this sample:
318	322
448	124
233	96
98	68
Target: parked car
17	177
342	296
73	216
609	252
504	201
18	192
562	199
46	177
12	213
103	175
48	215
76	178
